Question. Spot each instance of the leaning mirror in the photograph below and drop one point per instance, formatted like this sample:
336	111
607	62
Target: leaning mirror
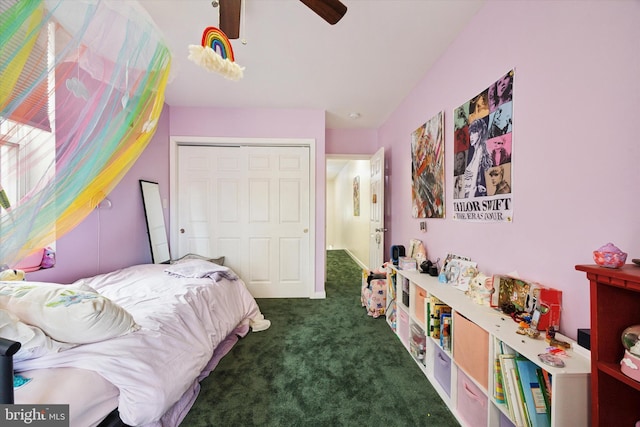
155	222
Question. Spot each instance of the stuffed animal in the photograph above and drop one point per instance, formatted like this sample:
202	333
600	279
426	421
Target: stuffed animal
11	275
48	258
480	289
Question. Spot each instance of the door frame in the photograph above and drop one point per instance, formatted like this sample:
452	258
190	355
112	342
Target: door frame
347	157
176	141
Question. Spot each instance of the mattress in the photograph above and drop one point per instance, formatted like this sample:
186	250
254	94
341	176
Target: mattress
90	397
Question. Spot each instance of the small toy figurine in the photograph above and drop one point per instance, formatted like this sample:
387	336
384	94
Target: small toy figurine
522	328
533	333
551	334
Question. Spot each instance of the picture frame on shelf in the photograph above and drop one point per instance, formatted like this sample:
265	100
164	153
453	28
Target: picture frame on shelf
459	273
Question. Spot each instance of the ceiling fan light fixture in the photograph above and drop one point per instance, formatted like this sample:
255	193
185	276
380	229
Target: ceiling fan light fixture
330	10
230	17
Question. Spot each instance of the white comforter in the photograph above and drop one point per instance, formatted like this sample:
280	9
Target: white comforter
182	320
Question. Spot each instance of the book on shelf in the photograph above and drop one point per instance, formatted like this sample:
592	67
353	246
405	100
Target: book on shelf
437	309
510	398
445	331
498	389
513	394
524	410
535	406
547	382
520	409
546	394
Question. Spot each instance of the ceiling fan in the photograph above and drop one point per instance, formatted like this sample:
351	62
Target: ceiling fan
329	10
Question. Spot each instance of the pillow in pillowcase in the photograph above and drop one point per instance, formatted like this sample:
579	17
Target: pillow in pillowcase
33	341
187	257
66	313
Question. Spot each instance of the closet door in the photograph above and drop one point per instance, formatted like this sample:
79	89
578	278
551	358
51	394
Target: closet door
250	205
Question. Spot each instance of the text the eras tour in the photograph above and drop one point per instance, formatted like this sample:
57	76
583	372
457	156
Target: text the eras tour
491	209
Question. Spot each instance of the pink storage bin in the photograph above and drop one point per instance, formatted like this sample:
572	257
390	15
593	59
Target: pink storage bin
403	327
442	369
421	297
471	349
471	403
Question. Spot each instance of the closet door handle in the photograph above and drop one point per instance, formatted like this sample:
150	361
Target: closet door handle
182	231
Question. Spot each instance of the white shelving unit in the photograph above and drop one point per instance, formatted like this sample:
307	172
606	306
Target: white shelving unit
570	394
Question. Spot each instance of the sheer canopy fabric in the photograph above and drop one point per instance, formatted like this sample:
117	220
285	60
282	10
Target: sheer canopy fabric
82	90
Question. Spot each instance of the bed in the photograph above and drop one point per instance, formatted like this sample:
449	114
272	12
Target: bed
138	357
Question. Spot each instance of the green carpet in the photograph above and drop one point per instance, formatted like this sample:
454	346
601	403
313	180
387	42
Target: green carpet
321	363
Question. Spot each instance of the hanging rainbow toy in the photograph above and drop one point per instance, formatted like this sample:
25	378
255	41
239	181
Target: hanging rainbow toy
216	54
218	41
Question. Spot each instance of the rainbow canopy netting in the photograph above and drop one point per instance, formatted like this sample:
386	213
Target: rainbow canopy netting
81	90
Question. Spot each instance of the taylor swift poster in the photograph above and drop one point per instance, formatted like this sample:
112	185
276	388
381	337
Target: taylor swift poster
482	154
427	169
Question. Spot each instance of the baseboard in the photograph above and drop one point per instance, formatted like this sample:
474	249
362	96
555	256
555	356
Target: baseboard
357	261
319	295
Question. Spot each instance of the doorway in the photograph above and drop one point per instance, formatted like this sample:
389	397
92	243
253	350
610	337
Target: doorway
347	207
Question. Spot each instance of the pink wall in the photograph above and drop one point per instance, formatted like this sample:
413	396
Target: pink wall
576	151
351	141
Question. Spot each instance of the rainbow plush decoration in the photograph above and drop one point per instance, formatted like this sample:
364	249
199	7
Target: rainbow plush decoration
218	41
216	54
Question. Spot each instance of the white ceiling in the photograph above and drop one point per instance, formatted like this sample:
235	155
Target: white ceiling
366	63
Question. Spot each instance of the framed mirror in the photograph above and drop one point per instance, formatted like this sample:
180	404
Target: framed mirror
155	222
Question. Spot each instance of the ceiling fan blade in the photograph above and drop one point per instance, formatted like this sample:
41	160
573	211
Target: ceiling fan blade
230	18
329	10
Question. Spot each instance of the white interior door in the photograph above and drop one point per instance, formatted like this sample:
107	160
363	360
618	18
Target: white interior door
376	202
251	205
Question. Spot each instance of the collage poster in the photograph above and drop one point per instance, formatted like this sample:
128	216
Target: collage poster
427	169
482	155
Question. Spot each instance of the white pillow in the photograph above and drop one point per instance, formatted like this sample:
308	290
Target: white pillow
33	342
66	313
188	257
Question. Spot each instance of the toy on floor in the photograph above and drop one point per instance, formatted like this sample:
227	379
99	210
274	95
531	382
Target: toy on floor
374	292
